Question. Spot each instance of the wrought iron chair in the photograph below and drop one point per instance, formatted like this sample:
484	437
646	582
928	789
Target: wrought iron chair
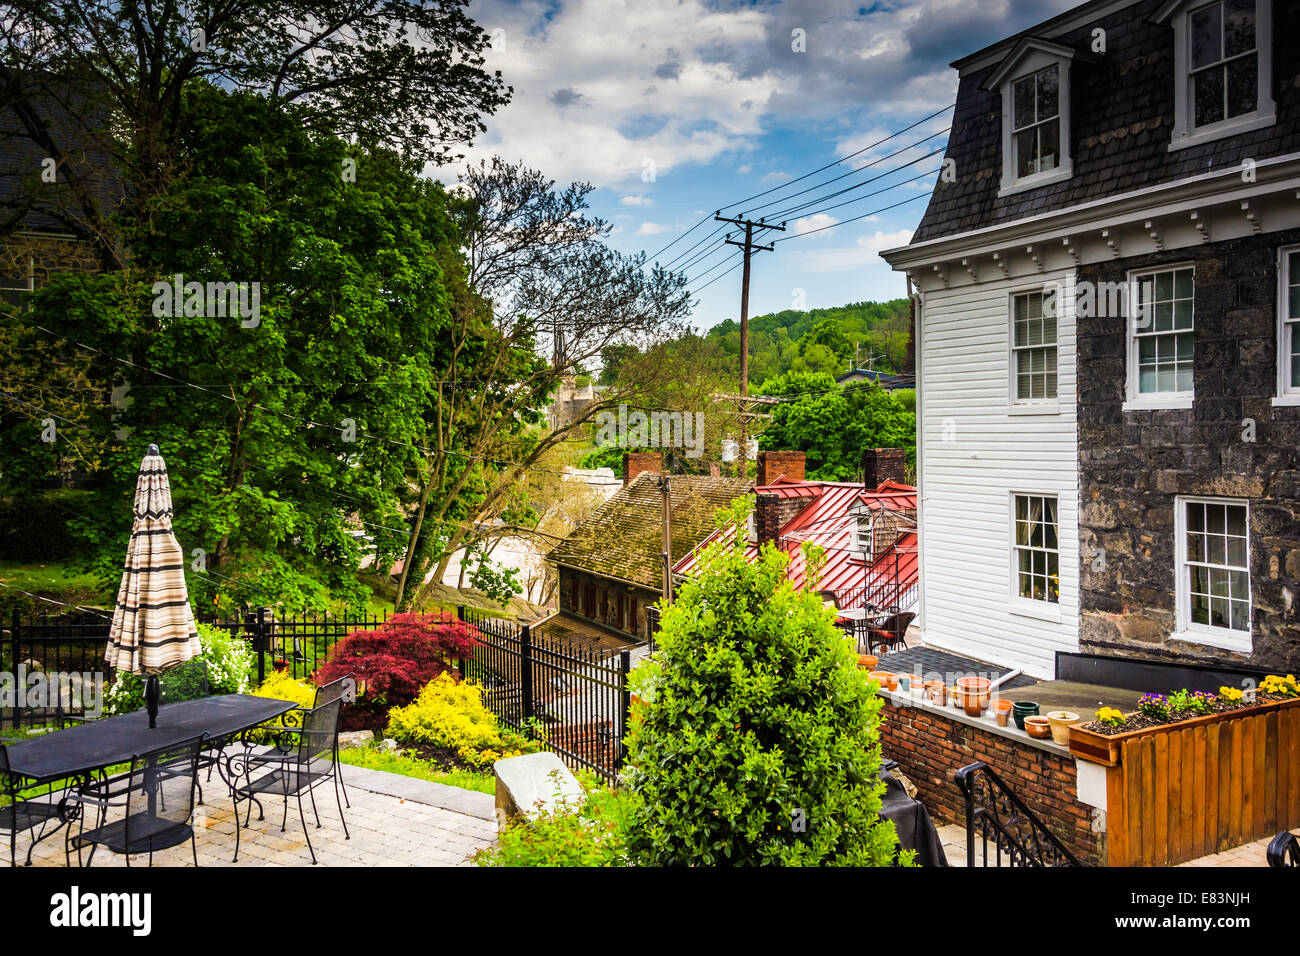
157	794
994	812
1284	850
335	690
292	770
19	814
891	632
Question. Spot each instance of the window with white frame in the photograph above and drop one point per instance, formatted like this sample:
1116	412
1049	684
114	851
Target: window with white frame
1033	346
1034	85
1036	549
1162	333
1036	122
1288	345
1223	66
864	535
1214	567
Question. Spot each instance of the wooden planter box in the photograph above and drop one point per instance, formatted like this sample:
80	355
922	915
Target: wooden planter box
1105	749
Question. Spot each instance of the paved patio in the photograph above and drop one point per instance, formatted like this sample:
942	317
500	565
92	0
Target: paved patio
394	821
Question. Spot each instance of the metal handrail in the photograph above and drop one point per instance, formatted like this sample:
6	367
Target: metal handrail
998	814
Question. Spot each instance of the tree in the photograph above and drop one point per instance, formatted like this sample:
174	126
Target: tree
402	74
760	743
833	424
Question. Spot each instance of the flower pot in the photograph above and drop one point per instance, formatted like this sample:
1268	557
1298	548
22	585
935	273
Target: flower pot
1060	721
1002	711
1021	709
975	694
1038	727
905	681
868	662
886	679
937	692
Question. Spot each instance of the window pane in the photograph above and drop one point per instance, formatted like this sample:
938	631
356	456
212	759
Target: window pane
1195	547
1207	35
1164	286
1200	609
1240	616
1243	85
1208	90
1023	102
1183	379
1147	380
1164	318
1236	518
1183	284
1049	146
1026	152
1216	519
1183	314
1239	27
1048	93
1183	347
1293	294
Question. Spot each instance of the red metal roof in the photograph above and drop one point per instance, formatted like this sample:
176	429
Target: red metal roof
828	521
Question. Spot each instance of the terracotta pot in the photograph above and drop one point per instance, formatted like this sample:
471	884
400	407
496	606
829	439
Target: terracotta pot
886	679
975	699
1038	727
1061	721
955	696
937	692
1003	717
868	662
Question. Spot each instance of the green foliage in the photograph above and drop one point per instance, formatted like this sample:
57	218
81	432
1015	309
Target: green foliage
230	665
497	581
761	743
447	714
589	832
36	527
833	424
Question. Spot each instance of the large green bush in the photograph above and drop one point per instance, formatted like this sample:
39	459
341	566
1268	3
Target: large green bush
230	668
757	743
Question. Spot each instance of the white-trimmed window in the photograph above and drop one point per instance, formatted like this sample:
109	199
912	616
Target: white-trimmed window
1213	556
864	535
1222	67
1036	549
1033	347
1162	335
1288	337
1034	82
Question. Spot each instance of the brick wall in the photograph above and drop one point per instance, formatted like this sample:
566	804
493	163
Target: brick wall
931	748
1233	442
780	464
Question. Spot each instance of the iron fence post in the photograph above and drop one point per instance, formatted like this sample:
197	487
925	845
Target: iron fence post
625	705
526	671
259	638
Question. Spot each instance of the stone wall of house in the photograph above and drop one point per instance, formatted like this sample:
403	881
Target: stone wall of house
573	598
1133	464
930	748
38	256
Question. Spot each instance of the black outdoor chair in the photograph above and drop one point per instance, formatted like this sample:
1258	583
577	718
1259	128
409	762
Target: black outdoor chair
1284	850
302	759
157	795
335	690
890	633
21	815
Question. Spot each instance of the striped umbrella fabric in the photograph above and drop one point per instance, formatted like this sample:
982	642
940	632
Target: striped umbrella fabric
153	627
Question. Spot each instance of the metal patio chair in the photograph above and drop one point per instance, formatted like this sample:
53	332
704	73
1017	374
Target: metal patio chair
157	795
1284	851
293	770
21	815
891	632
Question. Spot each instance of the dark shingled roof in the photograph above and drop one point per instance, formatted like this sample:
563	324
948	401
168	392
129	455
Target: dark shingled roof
623	538
1121	114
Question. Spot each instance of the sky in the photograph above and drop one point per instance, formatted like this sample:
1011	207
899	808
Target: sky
673	109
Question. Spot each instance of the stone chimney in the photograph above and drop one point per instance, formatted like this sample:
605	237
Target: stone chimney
635	462
767	515
780	464
882	464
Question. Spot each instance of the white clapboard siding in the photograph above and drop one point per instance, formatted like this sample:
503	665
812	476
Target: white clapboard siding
976	453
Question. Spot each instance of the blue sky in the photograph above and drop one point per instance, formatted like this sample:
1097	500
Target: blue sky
672	108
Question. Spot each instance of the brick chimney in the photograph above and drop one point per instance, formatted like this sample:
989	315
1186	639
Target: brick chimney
767	516
882	464
780	464
635	462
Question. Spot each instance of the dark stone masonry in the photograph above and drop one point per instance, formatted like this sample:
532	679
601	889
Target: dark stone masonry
1133	464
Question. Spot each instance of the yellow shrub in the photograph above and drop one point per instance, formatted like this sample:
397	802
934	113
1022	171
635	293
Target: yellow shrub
281	685
447	714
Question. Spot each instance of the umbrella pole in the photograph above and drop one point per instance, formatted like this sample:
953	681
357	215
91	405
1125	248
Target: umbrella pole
151	693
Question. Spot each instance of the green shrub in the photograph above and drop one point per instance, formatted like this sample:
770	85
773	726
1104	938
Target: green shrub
38	527
587	833
758	743
230	667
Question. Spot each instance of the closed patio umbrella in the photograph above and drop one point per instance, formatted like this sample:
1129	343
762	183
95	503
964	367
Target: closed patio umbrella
153	627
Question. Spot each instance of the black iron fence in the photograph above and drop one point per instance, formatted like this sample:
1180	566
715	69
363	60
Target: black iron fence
574	698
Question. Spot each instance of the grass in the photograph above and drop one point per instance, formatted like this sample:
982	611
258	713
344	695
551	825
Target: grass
419	769
54	581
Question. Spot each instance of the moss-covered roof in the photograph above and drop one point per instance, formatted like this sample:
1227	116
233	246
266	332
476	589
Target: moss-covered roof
623	538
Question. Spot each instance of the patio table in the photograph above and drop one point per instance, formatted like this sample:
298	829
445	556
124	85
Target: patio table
79	752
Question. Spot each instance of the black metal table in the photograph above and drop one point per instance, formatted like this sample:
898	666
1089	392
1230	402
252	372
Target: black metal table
77	753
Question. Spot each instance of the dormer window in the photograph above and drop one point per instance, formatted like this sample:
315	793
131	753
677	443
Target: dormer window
1222	66
1034	82
864	536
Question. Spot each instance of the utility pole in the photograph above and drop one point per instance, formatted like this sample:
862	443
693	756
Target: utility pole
749	247
667	554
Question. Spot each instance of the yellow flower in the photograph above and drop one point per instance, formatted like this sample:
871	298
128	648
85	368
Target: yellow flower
1230	693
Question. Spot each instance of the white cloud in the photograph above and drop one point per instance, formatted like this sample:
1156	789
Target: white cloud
744	170
808	223
777	177
862	253
637	201
651	229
